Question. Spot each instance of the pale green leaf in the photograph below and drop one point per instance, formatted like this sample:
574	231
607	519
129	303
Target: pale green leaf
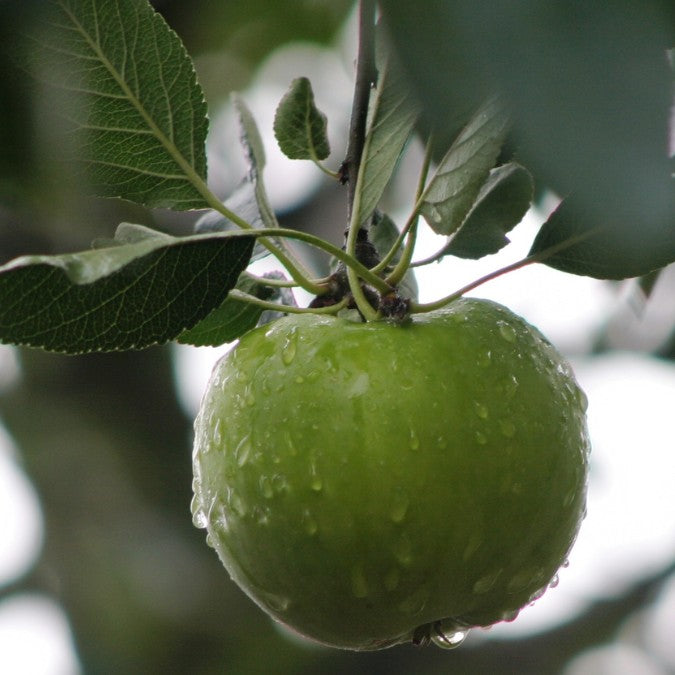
255	155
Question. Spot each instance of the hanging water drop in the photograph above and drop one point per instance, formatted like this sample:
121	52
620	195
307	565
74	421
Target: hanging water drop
198	516
448	639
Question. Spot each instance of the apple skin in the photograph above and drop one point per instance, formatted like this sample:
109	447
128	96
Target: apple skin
362	482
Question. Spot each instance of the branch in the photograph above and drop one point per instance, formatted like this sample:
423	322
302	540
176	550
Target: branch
365	77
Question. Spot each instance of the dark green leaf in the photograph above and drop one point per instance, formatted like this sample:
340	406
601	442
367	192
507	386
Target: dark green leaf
128	296
502	202
132	102
232	319
392	116
587	84
383	234
603	248
299	126
451	192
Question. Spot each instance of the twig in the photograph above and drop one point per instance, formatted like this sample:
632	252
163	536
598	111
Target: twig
365	77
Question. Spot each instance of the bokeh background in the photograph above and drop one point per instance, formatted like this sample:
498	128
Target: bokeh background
101	569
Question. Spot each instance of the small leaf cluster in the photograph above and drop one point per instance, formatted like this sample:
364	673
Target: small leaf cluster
137	118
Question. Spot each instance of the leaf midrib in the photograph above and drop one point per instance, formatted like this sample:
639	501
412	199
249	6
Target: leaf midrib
190	174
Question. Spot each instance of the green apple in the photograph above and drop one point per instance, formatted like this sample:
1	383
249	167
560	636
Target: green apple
370	483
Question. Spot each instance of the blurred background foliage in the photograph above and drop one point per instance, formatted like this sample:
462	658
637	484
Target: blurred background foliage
106	441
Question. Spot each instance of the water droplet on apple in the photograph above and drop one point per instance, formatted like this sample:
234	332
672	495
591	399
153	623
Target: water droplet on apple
399	506
480	410
582	399
277	603
508	428
481	438
309	524
280	483
316	482
242	451
359	582
236	503
448	638
217	433
415	603
289	347
484	359
414	441
391	580
486	582
510	615
198	516
511	386
403	550
554	581
266	487
507	332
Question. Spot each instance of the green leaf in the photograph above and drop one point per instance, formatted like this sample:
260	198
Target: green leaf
601	248
128	296
451	192
587	85
255	155
502	202
393	113
128	90
299	126
232	319
383	233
